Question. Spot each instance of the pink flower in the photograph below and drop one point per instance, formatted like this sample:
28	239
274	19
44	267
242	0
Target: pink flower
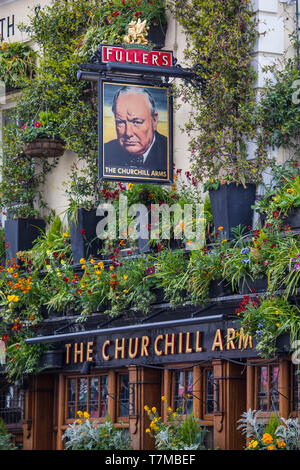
38	124
24	127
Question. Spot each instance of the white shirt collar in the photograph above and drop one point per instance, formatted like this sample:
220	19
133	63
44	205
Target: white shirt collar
145	155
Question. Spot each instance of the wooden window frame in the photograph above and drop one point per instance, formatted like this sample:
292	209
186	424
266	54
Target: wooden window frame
76	377
121	419
252	402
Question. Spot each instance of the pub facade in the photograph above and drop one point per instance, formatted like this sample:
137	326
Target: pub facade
198	357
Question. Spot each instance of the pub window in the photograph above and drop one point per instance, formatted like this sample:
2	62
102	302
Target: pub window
183	391
267	388
296	387
209	391
11	404
123	396
87	394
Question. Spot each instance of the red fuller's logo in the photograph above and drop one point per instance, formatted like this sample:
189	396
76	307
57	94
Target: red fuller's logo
136	56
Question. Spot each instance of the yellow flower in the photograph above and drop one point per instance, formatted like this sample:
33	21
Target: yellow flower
62	261
83	266
278	325
163	398
79	413
125	277
267	438
220	228
154	409
212	180
82	261
101	265
252	444
86	415
271	447
79	421
174	415
130	186
170	409
66	235
125	291
224	241
280	443
148	430
146	408
97	271
92	261
277	312
13	298
111	268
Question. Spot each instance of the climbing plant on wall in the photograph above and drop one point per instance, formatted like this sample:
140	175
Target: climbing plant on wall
220	37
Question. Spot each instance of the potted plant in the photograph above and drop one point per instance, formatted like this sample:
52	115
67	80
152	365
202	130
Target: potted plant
21	232
282	197
41	139
16	64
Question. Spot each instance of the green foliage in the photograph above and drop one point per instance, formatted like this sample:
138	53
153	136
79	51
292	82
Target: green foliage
220	39
46	127
92	435
5	438
178	432
17	64
270	435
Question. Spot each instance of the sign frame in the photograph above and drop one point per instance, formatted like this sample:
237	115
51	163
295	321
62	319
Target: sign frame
142	178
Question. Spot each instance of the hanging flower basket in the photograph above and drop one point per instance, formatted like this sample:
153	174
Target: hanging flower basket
44	148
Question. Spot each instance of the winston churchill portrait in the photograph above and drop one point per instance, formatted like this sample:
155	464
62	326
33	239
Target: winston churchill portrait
139	150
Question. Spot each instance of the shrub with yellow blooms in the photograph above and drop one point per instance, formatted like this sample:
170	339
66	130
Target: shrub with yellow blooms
178	432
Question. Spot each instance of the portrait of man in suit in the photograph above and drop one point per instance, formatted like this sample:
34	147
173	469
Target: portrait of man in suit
138	150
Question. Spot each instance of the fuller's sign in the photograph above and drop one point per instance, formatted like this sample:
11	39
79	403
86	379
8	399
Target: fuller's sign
136	56
161	346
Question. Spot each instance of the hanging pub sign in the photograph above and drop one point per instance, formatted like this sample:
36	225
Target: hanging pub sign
135	107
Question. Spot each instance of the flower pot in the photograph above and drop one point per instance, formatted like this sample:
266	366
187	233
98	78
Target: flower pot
293	218
84	240
219	288
44	148
231	206
52	359
21	233
248	286
157	34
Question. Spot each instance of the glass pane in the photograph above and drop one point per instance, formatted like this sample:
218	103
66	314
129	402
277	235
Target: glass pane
178	390
93	398
71	398
82	394
262	394
124	396
103	396
274	395
209	392
296	389
189	392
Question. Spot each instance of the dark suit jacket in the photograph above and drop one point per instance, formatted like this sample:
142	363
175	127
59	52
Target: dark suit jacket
115	155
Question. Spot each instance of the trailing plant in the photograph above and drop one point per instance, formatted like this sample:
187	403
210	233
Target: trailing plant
85	434
267	318
220	39
17	64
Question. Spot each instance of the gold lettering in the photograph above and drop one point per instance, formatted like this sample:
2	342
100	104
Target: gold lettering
78	351
245	339
90	351
105	356
68	347
145	344
170	344
188	348
131	354
158	352
218	342
180	343
120	348
230	338
198	347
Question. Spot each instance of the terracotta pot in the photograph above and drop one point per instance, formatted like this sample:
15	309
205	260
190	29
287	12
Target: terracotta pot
44	148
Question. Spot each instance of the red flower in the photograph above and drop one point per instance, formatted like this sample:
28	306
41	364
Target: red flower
65	279
37	124
272	246
116	13
82	232
55	255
